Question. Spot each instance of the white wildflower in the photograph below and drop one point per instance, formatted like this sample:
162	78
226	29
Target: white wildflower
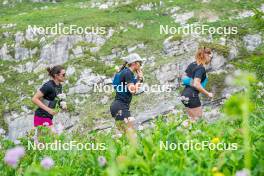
63	105
260	84
62	96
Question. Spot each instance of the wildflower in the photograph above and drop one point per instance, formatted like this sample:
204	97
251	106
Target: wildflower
36	141
215	140
260	84
185	123
16	142
214	169
59	128
140	127
62	96
121	159
102	161
47	163
46	124
13	156
184	99
244	172
63	105
218	174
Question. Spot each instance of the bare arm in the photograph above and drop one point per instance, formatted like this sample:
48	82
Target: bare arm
198	86
36	100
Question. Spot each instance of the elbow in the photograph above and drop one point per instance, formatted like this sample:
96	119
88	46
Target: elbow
197	85
33	100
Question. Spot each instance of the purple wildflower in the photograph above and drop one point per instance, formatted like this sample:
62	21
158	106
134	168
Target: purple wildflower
47	163
13	155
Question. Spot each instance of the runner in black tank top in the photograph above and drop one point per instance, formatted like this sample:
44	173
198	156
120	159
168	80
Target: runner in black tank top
197	72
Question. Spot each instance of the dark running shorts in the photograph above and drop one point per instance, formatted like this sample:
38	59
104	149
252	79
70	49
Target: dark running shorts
193	98
119	110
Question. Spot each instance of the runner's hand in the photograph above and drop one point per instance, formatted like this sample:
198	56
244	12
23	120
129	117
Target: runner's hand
210	95
52	112
140	74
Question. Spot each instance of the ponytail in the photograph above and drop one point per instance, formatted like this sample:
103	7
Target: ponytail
54	70
123	66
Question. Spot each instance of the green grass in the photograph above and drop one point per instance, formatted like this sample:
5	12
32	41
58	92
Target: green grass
144	156
220	49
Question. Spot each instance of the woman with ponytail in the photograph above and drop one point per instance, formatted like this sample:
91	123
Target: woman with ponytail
45	97
126	82
196	71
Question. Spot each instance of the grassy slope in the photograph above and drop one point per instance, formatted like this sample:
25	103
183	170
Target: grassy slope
147	153
68	12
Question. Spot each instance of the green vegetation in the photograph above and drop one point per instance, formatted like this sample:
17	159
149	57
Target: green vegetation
216	83
146	153
252	63
138	153
220	49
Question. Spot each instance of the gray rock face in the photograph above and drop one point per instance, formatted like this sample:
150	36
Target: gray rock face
167	73
4	53
2	79
162	107
78	52
70	70
28	67
105	4
21	53
20	123
19	38
173	47
252	41
182	18
233	53
146	7
245	14
30	35
58	51
86	82
218	61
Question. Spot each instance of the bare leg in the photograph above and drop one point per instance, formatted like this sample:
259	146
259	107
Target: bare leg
195	113
130	122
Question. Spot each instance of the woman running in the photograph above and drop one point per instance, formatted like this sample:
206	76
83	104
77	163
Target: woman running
197	72
45	98
127	85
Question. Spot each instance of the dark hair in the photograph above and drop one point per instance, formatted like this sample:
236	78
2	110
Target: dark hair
123	66
54	70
